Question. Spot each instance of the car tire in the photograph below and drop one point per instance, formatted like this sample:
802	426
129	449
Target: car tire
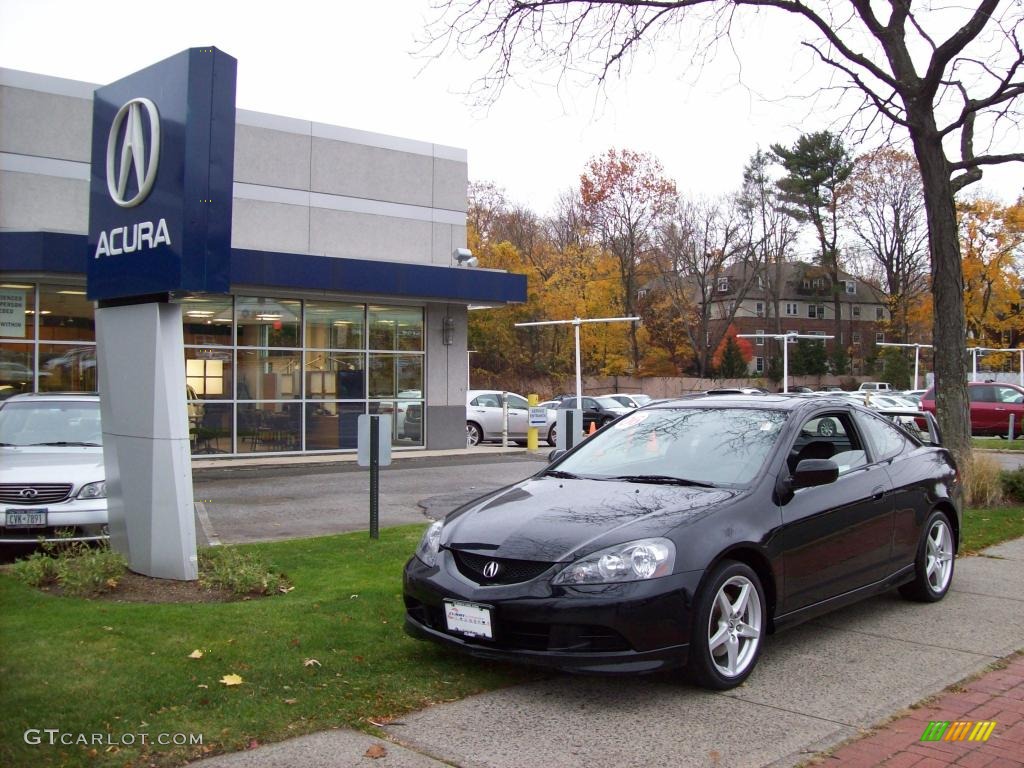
474	435
935	561
553	436
729	625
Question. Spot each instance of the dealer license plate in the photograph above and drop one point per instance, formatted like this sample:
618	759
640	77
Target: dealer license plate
468	618
25	518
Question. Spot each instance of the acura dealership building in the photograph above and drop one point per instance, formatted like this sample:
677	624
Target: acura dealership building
348	290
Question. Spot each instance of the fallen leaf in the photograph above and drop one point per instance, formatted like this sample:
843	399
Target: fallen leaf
202	685
291	701
352	597
253	743
285	590
231	680
311	663
111	583
196	654
375	751
109	629
295	641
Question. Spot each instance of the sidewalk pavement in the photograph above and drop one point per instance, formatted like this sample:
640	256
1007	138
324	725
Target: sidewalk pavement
819	685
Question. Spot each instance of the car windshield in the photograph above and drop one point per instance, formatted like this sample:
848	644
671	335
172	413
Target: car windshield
700	446
50	423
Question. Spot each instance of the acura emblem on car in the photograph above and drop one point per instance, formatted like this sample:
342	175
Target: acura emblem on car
28	493
133	152
491	569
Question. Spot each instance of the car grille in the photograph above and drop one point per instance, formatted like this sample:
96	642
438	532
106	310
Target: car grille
34	494
509	571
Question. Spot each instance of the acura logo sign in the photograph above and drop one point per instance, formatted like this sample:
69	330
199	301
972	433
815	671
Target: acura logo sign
133	155
491	569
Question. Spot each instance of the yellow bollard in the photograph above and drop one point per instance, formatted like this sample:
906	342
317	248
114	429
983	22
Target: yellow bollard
531	432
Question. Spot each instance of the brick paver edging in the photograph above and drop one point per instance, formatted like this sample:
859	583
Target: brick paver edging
995	696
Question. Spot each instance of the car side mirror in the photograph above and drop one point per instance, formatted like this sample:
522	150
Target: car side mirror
556	454
814	472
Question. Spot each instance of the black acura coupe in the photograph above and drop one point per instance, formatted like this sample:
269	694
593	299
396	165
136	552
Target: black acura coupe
684	532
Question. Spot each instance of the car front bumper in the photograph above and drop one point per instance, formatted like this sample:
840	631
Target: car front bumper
616	628
67	521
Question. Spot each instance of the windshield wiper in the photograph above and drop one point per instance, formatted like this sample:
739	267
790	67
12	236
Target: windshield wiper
560	473
662	480
66	444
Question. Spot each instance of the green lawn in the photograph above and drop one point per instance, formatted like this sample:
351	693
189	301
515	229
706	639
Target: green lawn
331	652
997	444
100	667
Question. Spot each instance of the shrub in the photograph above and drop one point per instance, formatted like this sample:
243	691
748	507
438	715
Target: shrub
79	569
1013	483
984	486
242	573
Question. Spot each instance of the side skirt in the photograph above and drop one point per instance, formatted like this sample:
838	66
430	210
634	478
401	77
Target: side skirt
902	576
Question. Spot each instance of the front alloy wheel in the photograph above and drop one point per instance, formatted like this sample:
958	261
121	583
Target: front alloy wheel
933	566
473	434
730	622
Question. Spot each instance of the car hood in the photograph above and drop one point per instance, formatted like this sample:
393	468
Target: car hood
552	520
51	465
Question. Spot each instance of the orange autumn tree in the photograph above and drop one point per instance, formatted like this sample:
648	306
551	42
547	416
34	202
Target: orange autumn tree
991	239
732	356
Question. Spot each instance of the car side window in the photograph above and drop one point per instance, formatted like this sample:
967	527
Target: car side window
828	436
487	401
515	401
1008	395
885	439
589	404
982	394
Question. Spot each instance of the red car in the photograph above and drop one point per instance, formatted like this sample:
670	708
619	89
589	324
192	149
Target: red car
991	405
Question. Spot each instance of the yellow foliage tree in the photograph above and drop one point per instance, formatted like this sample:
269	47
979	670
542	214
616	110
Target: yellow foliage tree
991	239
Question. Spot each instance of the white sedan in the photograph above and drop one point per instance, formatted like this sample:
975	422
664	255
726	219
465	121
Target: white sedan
484	418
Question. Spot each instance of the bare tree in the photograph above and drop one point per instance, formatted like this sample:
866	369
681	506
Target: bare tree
950	77
886	215
696	248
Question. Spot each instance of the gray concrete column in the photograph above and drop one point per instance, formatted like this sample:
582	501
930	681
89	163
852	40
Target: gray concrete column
146	450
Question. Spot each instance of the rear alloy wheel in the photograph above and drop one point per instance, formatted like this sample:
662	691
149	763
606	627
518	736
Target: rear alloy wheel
936	558
473	434
728	626
553	436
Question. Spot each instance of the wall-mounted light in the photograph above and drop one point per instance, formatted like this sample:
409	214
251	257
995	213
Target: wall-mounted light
448	331
465	258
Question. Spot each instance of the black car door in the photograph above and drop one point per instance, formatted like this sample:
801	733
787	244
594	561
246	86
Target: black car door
836	537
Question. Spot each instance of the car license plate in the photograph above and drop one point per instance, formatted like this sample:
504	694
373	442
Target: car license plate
25	518
468	618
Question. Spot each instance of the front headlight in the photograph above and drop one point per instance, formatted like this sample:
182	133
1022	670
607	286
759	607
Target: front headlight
430	543
632	561
97	490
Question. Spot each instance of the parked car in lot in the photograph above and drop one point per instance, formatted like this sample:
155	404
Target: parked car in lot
52	480
992	404
874	386
631	400
597	411
484	418
684	533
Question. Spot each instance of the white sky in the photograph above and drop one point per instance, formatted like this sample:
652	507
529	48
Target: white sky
354	63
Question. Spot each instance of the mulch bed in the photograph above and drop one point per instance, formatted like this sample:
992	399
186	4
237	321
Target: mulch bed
135	588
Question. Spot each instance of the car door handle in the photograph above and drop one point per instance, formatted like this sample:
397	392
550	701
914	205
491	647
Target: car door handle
1000	409
877	493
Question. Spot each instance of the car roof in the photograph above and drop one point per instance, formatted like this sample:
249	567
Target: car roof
781	401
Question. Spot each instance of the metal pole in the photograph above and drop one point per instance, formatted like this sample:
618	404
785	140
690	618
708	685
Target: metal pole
974	365
374	477
917	358
504	419
785	364
579	376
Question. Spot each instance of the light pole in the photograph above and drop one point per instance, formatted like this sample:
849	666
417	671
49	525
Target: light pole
785	337
917	353
576	323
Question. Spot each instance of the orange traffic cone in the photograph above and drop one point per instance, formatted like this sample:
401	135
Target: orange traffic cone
593	428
